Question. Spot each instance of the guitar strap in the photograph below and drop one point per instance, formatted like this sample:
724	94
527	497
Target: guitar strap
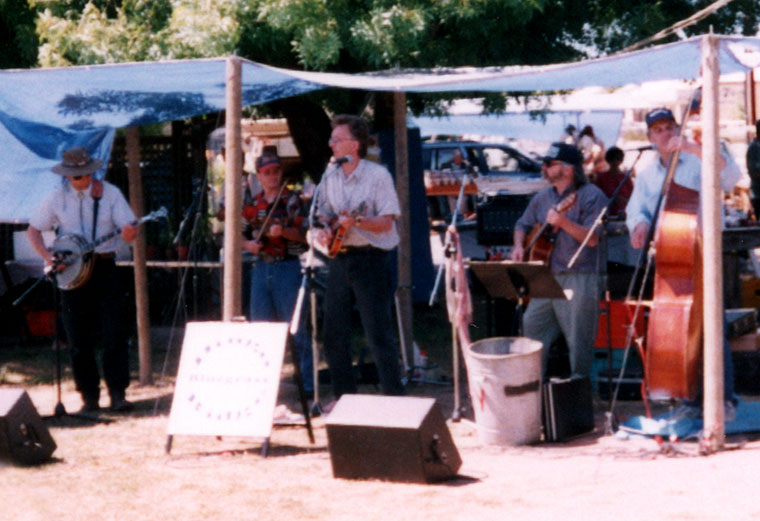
96	191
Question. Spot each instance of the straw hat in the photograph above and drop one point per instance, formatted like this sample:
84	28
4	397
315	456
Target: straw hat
77	161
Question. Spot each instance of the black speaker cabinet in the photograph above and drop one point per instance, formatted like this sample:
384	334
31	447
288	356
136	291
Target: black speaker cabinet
568	408
392	438
24	438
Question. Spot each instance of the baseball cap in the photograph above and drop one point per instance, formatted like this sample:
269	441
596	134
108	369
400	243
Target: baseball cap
657	114
266	159
565	153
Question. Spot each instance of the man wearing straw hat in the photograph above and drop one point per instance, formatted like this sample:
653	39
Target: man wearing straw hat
92	313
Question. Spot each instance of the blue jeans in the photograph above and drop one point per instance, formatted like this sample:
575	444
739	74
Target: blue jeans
274	290
363	275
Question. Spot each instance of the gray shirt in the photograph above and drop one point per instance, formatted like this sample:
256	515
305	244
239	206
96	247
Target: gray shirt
591	200
370	184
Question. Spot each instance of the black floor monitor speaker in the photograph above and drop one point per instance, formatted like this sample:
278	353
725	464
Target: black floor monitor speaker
24	438
392	438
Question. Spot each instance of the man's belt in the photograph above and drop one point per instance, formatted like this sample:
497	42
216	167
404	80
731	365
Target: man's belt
270	259
356	250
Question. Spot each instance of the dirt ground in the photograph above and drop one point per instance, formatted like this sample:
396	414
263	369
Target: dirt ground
120	471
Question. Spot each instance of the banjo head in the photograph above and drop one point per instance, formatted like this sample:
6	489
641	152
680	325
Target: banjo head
78	265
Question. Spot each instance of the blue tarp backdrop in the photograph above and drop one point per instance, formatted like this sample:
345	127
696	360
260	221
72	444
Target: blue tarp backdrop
606	124
45	111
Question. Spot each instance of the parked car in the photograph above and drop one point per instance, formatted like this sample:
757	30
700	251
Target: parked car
497	168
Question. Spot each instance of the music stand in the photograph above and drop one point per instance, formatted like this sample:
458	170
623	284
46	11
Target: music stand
517	281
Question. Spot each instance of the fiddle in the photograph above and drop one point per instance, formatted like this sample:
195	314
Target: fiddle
252	223
262	231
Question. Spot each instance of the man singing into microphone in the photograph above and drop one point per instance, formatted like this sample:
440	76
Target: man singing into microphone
361	271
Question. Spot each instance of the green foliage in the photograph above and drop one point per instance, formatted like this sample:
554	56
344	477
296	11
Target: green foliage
392	35
135	30
363	35
18	40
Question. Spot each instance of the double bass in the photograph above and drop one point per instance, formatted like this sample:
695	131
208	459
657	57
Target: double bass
674	332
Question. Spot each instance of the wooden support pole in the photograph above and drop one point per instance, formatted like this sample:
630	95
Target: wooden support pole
141	271
751	103
712	223
232	299
404	290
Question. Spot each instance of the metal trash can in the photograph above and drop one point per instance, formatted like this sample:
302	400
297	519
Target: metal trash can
504	377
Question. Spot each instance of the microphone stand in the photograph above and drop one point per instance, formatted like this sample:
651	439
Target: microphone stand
307	281
602	219
447	245
456	414
195	210
60	410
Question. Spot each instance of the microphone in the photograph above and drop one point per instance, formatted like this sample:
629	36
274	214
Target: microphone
640	149
345	159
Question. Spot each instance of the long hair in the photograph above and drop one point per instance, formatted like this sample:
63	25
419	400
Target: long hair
579	176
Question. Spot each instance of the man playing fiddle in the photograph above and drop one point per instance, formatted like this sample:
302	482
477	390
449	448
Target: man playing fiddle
362	269
662	132
577	317
278	238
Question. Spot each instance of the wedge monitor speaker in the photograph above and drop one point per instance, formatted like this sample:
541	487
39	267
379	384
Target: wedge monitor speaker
390	438
24	438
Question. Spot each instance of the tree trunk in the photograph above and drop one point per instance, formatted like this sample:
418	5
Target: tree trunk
310	129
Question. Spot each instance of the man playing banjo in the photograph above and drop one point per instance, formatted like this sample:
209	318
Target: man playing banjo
84	209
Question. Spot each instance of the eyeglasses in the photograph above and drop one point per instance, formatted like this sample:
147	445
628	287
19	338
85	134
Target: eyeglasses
334	140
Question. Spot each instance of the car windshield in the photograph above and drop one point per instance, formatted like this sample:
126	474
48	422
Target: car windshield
501	160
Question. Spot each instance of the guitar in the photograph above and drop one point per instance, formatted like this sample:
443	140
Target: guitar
73	253
339	232
541	238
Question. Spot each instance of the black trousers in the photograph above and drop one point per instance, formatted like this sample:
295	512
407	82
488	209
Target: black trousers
94	316
363	275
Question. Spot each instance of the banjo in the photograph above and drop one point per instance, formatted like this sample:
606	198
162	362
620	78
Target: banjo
74	253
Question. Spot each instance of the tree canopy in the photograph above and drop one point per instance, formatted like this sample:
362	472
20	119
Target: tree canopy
361	35
18	39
